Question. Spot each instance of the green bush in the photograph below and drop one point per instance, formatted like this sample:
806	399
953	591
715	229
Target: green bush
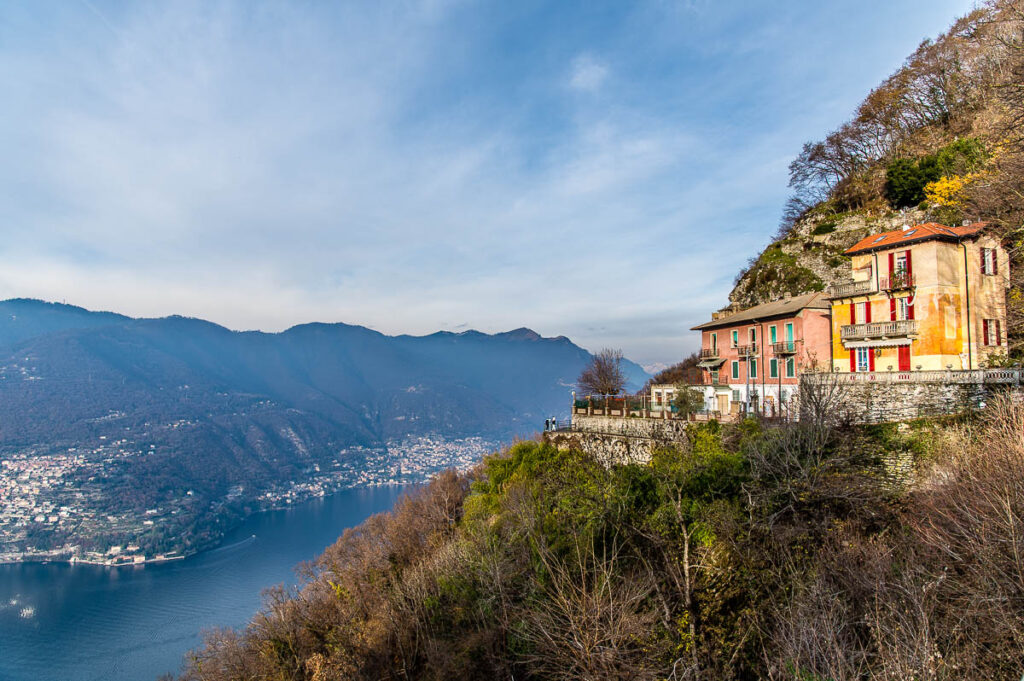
905	178
824	228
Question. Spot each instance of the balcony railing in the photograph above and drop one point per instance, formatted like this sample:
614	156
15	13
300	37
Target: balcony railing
899	280
709	353
745	351
785	347
897	329
851	288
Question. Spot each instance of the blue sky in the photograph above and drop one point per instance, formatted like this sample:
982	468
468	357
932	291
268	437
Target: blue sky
598	170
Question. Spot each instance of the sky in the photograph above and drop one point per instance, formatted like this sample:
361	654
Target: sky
599	170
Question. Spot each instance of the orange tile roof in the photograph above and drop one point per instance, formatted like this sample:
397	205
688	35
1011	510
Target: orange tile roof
925	232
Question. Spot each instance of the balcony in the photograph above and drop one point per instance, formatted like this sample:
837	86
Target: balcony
879	330
745	351
847	289
785	347
709	353
898	281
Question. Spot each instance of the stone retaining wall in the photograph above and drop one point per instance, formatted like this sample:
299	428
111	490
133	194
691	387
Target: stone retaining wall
887	397
618	440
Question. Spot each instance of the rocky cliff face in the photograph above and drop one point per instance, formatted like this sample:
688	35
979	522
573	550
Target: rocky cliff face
810	257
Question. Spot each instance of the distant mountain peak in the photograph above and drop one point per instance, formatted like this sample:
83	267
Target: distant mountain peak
522	333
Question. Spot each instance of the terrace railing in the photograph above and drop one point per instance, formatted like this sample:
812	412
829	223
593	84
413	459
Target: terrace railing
785	347
847	289
745	351
899	280
873	330
710	353
1004	376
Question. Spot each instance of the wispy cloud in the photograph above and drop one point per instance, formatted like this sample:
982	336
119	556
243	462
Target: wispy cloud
599	172
587	73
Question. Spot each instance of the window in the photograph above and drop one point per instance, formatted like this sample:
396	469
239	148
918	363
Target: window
789	332
657	397
988	261
901	308
862	313
773	367
753	368
771	332
735	338
901	262
735	395
714	377
991	332
735	368
863	359
714	341
753	335
790	368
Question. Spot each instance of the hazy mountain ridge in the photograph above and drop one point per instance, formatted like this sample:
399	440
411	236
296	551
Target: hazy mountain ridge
358	380
158	432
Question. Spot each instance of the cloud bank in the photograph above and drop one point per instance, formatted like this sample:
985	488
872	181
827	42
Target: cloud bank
594	170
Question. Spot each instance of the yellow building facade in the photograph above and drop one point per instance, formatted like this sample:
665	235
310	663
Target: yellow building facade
921	298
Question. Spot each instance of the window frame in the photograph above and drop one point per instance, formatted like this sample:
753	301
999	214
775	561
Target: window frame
736	369
773	367
790	367
865	354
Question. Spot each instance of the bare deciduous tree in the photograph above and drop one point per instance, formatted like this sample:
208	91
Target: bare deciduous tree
603	376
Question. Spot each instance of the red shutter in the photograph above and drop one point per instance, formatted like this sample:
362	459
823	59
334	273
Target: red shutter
910	311
892	263
984	332
853	361
867	312
982	251
853	313
995	261
892	309
909	268
871	359
999	333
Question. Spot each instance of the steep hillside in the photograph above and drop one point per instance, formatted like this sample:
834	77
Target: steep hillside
941	140
757	553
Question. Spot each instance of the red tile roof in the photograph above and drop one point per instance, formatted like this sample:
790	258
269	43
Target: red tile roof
925	232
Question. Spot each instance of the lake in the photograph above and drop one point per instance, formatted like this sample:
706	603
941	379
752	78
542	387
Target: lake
63	622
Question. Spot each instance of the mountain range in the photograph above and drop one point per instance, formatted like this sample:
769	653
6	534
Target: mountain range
189	424
63	369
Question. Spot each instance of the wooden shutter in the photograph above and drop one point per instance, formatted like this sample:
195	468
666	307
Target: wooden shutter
853	313
910	311
892	309
853	360
867	312
909	268
999	333
892	264
984	331
982	251
871	359
995	261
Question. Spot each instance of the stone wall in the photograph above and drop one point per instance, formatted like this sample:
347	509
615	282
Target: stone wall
887	397
618	440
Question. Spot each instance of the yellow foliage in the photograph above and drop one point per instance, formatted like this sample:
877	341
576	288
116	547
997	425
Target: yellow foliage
949	190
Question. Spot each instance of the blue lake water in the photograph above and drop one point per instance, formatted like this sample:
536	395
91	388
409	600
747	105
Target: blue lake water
87	623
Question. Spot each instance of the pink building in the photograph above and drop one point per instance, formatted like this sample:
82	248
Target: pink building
752	359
